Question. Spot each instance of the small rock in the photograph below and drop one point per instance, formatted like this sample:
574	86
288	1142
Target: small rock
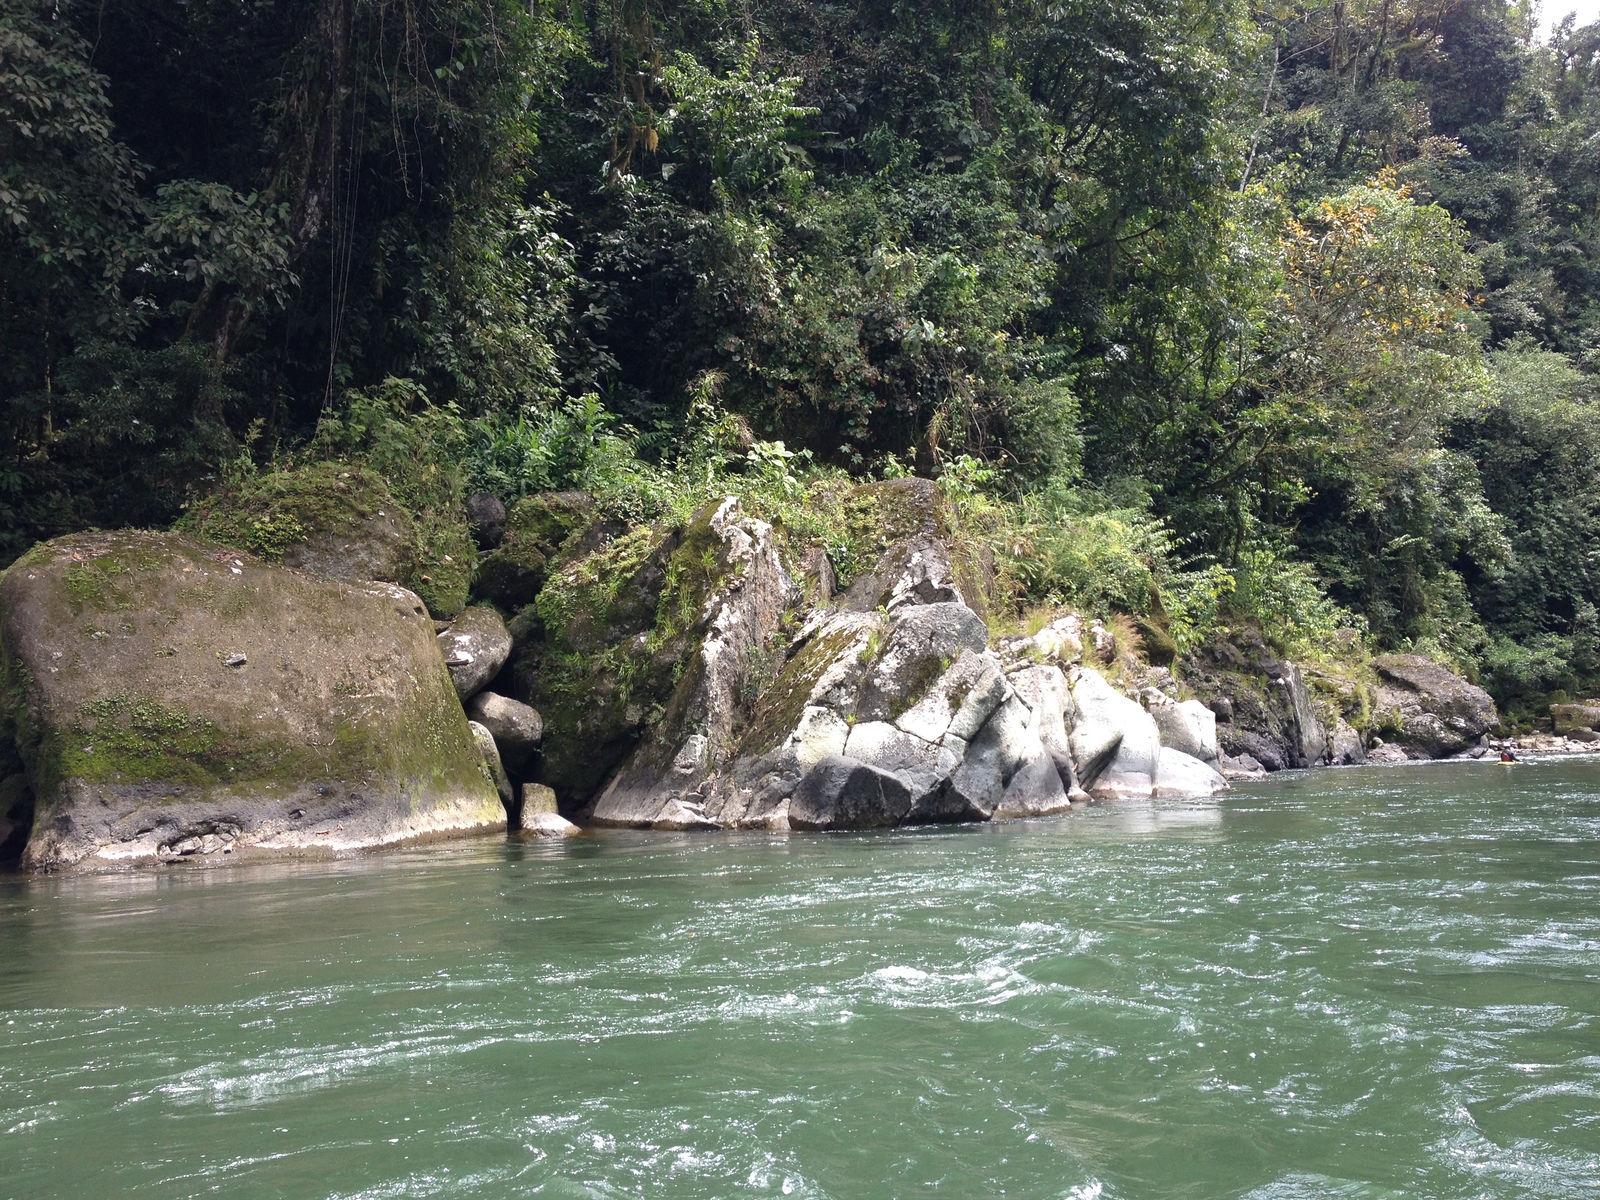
549	824
235	660
537	798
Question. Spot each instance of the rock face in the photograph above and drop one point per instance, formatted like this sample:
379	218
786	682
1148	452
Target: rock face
166	697
733	614
1264	710
1428	709
475	647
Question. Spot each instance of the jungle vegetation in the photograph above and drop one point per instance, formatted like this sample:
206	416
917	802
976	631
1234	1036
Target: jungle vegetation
1218	309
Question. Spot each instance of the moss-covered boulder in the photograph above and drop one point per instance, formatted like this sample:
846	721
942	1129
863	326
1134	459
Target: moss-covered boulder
167	697
340	521
645	637
535	531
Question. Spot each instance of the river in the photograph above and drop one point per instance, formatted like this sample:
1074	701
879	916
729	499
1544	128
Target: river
1360	983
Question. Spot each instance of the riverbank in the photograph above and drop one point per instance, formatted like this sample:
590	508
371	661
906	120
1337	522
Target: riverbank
171	696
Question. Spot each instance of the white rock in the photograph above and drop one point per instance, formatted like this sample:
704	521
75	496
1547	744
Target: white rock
1183	776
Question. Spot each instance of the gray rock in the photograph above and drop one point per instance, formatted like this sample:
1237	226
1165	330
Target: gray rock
537	798
1005	744
1345	747
843	793
1187	726
916	571
551	825
492	763
1034	790
924	639
1435	712
1241	769
1572	718
475	647
923	765
1182	776
486	518
339	732
1115	743
1308	744
517	727
960	700
1045	691
662	780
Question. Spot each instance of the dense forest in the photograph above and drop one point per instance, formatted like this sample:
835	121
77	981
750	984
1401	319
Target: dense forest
1204	311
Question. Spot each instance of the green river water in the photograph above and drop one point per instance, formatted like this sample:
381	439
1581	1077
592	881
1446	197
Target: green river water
1361	983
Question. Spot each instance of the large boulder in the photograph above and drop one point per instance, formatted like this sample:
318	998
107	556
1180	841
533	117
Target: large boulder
1575	718
1187	726
723	593
1115	742
475	647
1183	776
1428	708
845	793
168	697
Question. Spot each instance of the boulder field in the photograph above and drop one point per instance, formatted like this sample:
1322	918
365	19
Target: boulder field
167	698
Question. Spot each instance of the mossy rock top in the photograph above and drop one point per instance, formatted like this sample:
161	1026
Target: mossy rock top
163	687
340	521
537	530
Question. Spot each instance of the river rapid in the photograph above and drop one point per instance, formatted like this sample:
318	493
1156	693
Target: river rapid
1368	982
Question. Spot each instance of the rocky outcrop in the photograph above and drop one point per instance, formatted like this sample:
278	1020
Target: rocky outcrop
533	537
1428	709
168	698
475	647
1580	722
893	709
728	616
1265	712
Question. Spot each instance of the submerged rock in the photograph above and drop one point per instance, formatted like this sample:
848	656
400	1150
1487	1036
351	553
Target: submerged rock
337	731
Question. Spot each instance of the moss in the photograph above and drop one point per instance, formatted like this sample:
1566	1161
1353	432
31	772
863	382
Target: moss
275	511
128	738
779	710
538	528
